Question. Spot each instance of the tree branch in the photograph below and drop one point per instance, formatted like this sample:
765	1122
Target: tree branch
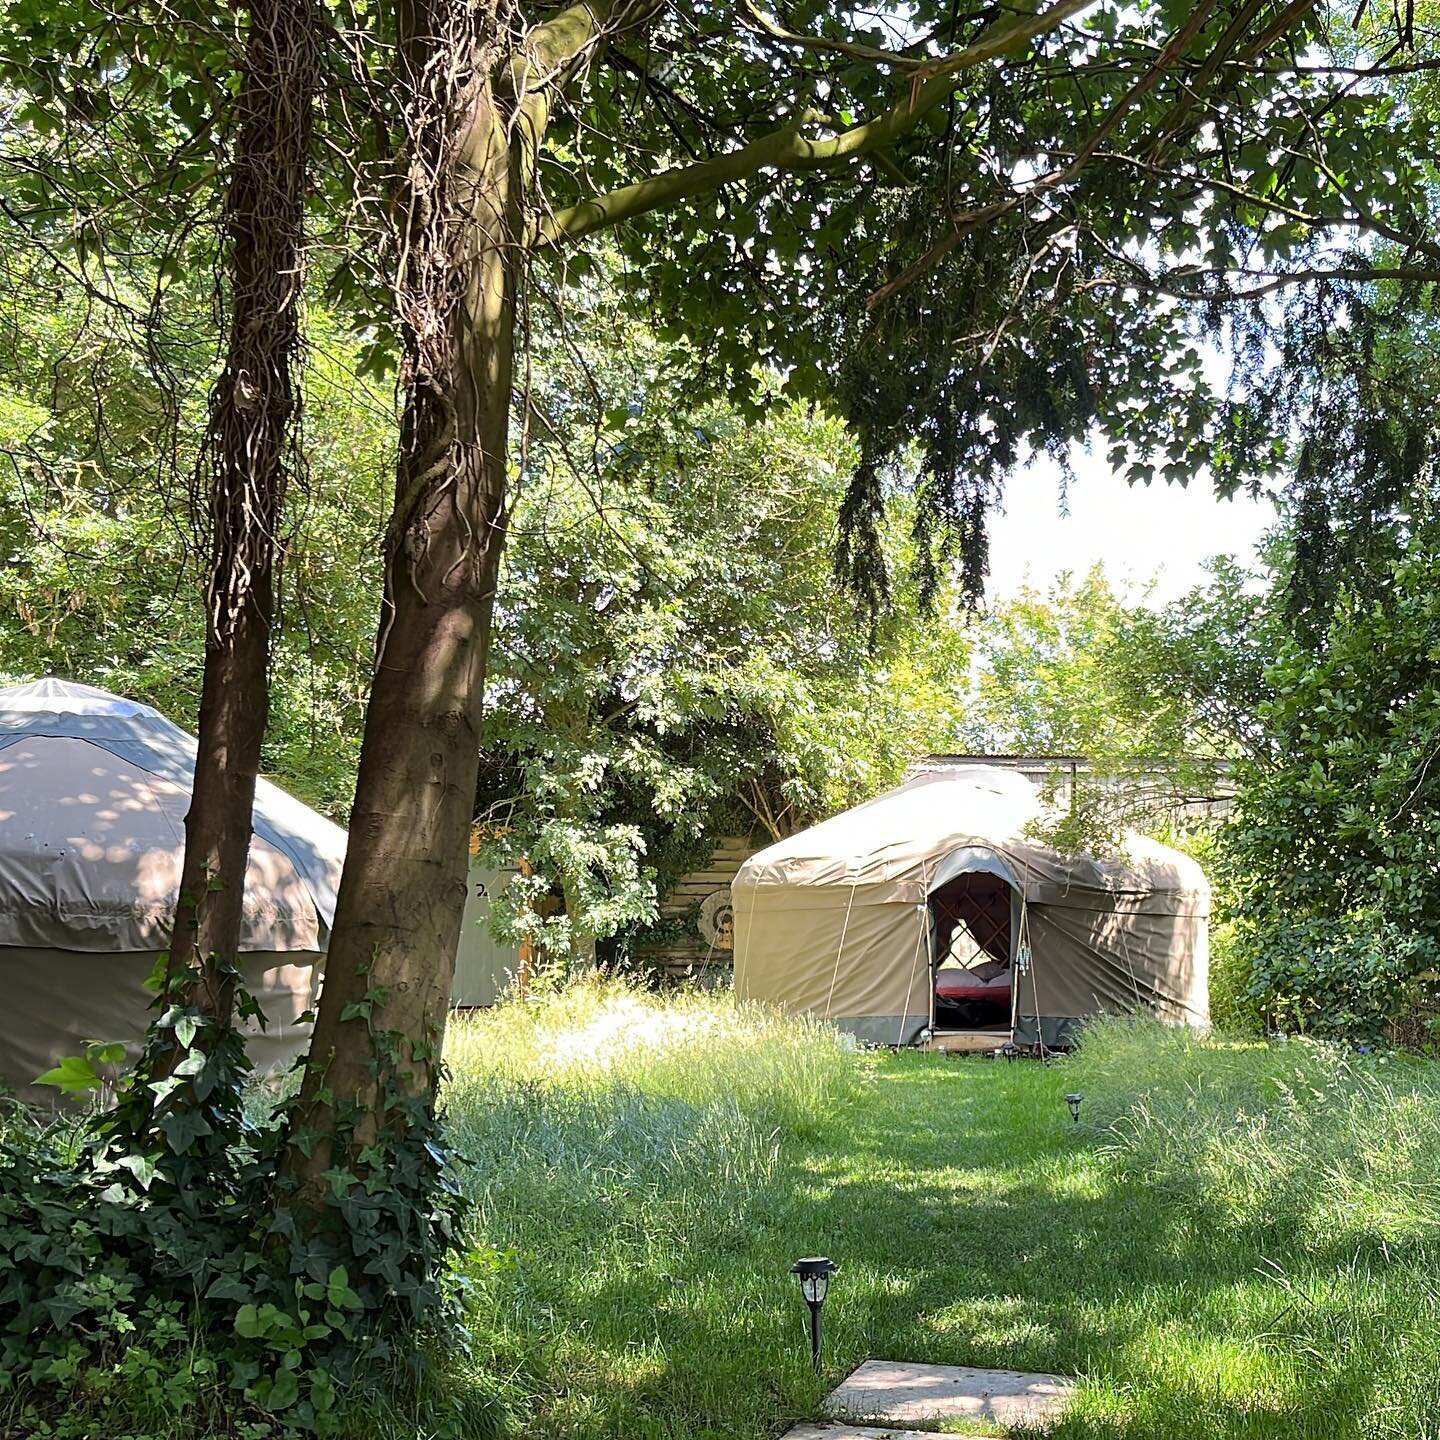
1316	221
1143	280
550	51
790	149
825	45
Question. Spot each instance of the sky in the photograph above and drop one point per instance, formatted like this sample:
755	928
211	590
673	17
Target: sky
1135	533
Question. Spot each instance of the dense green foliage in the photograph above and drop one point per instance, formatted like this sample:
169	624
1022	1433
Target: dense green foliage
1053	677
715	682
112	1225
982	311
1331	854
1042	266
99	561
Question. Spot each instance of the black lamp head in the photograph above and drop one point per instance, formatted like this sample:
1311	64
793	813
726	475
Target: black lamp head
1073	1101
814	1272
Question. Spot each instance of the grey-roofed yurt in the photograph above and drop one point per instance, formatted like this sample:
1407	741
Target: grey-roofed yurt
93	794
857	920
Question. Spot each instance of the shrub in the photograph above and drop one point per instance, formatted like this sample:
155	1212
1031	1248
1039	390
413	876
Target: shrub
1352	977
155	1271
1234	1008
1329	862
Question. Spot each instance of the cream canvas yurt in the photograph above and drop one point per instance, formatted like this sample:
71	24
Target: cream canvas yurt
930	904
93	794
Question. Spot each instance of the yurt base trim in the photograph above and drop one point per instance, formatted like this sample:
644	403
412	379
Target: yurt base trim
965	1042
882	1029
1053	1032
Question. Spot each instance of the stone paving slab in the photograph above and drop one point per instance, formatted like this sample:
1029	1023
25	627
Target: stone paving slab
897	1391
832	1430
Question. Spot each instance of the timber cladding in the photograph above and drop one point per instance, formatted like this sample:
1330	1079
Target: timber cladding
698	904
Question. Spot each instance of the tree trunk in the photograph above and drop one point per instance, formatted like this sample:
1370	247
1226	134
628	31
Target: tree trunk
382	1011
248	456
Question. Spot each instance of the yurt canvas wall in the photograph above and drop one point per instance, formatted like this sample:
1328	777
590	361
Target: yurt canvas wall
93	794
836	921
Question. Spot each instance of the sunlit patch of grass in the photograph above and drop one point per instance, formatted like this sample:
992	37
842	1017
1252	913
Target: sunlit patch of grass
692	1047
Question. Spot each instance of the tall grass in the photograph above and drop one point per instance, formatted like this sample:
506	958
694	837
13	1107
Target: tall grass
1321	1145
627	1121
1238	1242
696	1047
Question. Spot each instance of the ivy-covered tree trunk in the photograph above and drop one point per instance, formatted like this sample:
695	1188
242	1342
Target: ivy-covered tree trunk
387	983
253	411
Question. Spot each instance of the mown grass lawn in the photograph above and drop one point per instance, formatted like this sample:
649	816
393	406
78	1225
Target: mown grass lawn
1238	1241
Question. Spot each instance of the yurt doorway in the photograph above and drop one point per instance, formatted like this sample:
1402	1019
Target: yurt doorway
973	919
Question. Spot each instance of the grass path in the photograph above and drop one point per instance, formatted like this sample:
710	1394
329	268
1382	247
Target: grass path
974	1225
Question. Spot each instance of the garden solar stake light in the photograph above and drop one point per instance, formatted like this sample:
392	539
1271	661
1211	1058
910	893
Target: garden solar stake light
1073	1101
814	1273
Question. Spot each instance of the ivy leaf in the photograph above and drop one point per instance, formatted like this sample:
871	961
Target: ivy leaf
230	1287
183	1128
192	1064
112	1053
142	1167
63	1307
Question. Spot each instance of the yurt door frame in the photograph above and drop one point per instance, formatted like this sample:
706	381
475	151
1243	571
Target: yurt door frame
977	860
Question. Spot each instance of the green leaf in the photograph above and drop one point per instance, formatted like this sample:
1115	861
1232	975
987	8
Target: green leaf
142	1167
183	1128
73	1075
229	1287
339	1293
284	1391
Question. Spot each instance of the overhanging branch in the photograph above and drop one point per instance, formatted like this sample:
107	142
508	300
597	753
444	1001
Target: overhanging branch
1407	241
966	223
827	45
790	149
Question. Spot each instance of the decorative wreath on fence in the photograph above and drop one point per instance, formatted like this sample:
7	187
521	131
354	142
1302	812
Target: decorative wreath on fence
717	920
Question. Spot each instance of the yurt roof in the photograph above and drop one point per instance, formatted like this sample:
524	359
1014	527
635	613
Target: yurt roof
898	844
94	789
